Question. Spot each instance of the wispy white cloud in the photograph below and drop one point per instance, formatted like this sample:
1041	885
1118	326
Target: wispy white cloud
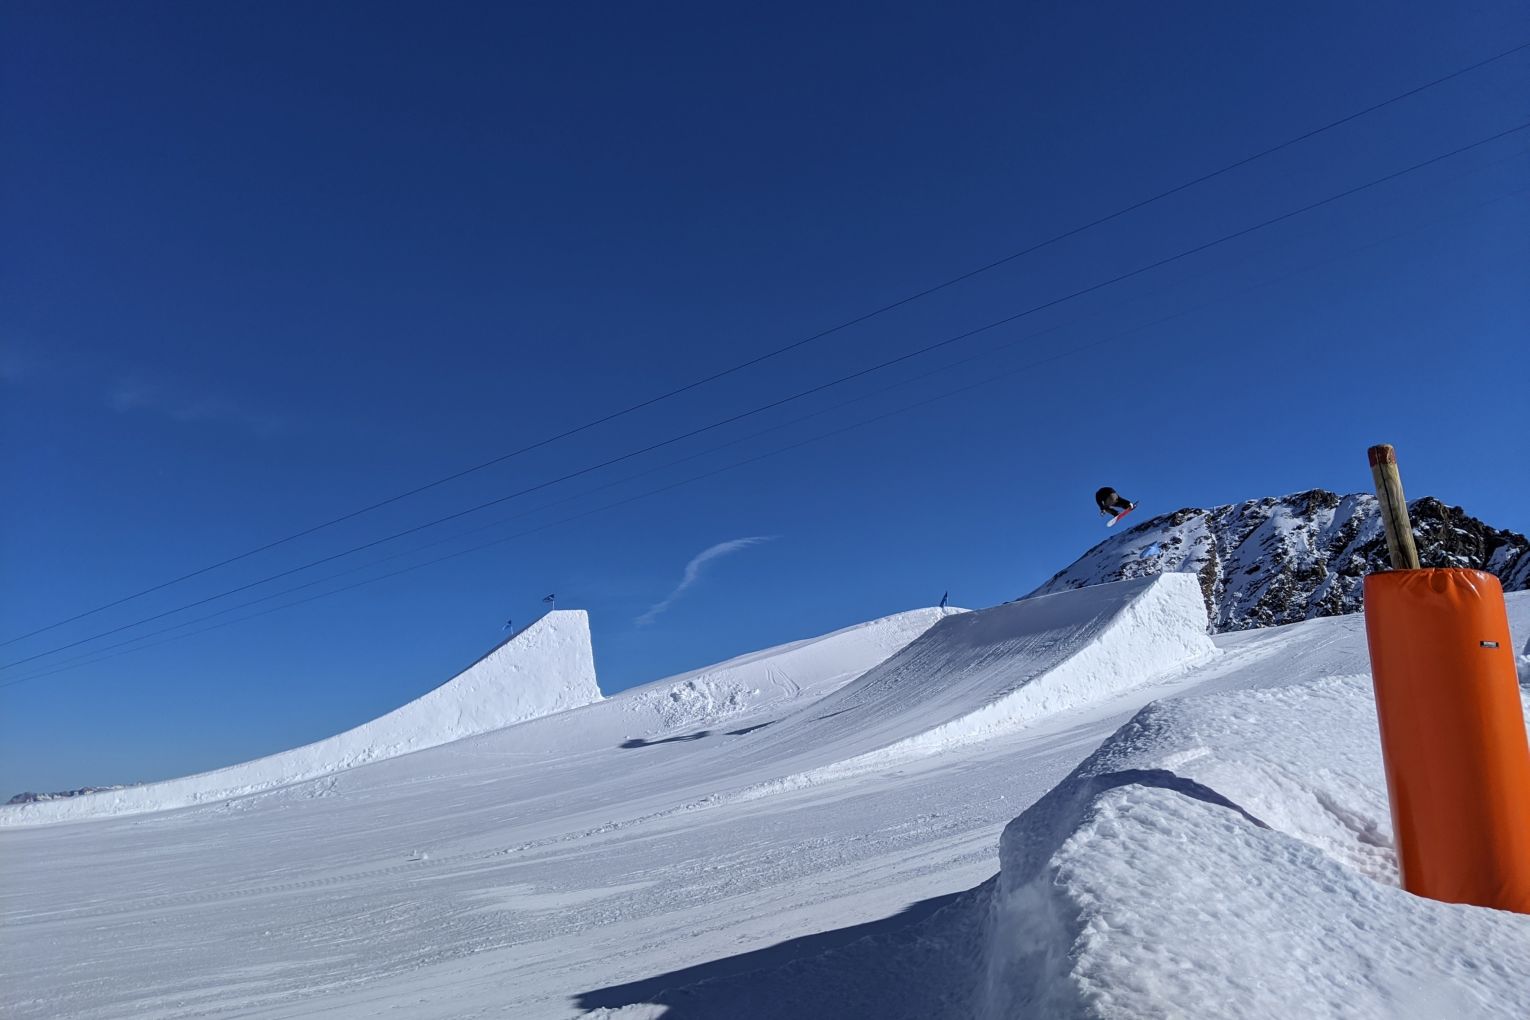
180	403
693	571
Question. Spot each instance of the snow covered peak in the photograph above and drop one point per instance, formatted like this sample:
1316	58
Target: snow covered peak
1280	560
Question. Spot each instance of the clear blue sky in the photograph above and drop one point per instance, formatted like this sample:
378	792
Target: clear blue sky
266	263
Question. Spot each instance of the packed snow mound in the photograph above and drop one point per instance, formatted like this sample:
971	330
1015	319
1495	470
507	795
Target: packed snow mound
1232	855
785	673
1225	854
1274	561
740	695
1057	653
979	675
548	667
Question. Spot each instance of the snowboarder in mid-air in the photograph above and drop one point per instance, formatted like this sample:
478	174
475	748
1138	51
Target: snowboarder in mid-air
1111	503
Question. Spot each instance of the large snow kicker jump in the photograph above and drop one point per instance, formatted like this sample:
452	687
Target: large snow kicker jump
548	667
983	674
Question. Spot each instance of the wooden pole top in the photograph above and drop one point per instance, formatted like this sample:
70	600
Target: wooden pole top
1394	507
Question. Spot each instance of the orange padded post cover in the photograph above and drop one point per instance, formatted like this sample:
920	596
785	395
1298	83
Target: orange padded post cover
1452	735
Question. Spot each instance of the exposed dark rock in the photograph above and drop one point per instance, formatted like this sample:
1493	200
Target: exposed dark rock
1272	561
33	798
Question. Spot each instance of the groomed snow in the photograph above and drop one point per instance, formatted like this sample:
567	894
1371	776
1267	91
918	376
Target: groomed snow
1049	654
548	667
772	678
1205	836
979	675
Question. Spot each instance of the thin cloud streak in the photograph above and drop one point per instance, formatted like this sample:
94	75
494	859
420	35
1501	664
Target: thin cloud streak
137	394
693	571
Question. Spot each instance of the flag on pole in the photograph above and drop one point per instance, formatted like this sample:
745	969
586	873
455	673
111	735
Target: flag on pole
551	600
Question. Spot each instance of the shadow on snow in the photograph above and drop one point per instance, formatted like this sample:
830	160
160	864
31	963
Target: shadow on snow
829	974
636	742
640	742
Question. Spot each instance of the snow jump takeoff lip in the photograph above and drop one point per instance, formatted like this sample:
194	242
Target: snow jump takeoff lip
981	675
546	668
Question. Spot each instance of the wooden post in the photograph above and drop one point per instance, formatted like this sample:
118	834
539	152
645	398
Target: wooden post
1394	508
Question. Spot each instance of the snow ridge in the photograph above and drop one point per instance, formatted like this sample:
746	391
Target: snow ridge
1137	635
981	675
778	676
1215	827
548	667
1273	561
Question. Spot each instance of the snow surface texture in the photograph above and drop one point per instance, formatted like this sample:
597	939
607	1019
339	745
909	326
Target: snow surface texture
548	667
787	673
1232	855
1274	561
1223	852
981	674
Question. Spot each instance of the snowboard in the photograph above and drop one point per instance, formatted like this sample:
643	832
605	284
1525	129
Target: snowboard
1112	522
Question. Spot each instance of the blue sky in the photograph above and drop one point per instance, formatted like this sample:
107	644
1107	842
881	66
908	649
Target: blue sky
266	264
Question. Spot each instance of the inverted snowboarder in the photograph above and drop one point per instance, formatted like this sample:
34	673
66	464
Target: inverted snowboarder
1112	504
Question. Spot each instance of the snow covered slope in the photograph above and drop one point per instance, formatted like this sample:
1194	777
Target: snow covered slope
548	667
763	680
1273	561
1225	852
1231	855
744	693
980	674
544	671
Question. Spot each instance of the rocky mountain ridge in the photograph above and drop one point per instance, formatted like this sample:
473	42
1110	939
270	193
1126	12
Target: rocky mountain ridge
1277	560
37	798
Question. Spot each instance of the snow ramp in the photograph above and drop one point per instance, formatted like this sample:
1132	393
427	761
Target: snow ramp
741	692
773	678
979	675
548	667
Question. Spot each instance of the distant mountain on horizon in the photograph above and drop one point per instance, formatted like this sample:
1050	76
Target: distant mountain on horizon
38	798
1277	560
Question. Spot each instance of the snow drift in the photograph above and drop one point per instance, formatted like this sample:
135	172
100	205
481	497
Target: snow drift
546	668
1231	855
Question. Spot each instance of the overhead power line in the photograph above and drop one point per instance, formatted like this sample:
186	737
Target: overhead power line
1186	253
136	644
768	355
